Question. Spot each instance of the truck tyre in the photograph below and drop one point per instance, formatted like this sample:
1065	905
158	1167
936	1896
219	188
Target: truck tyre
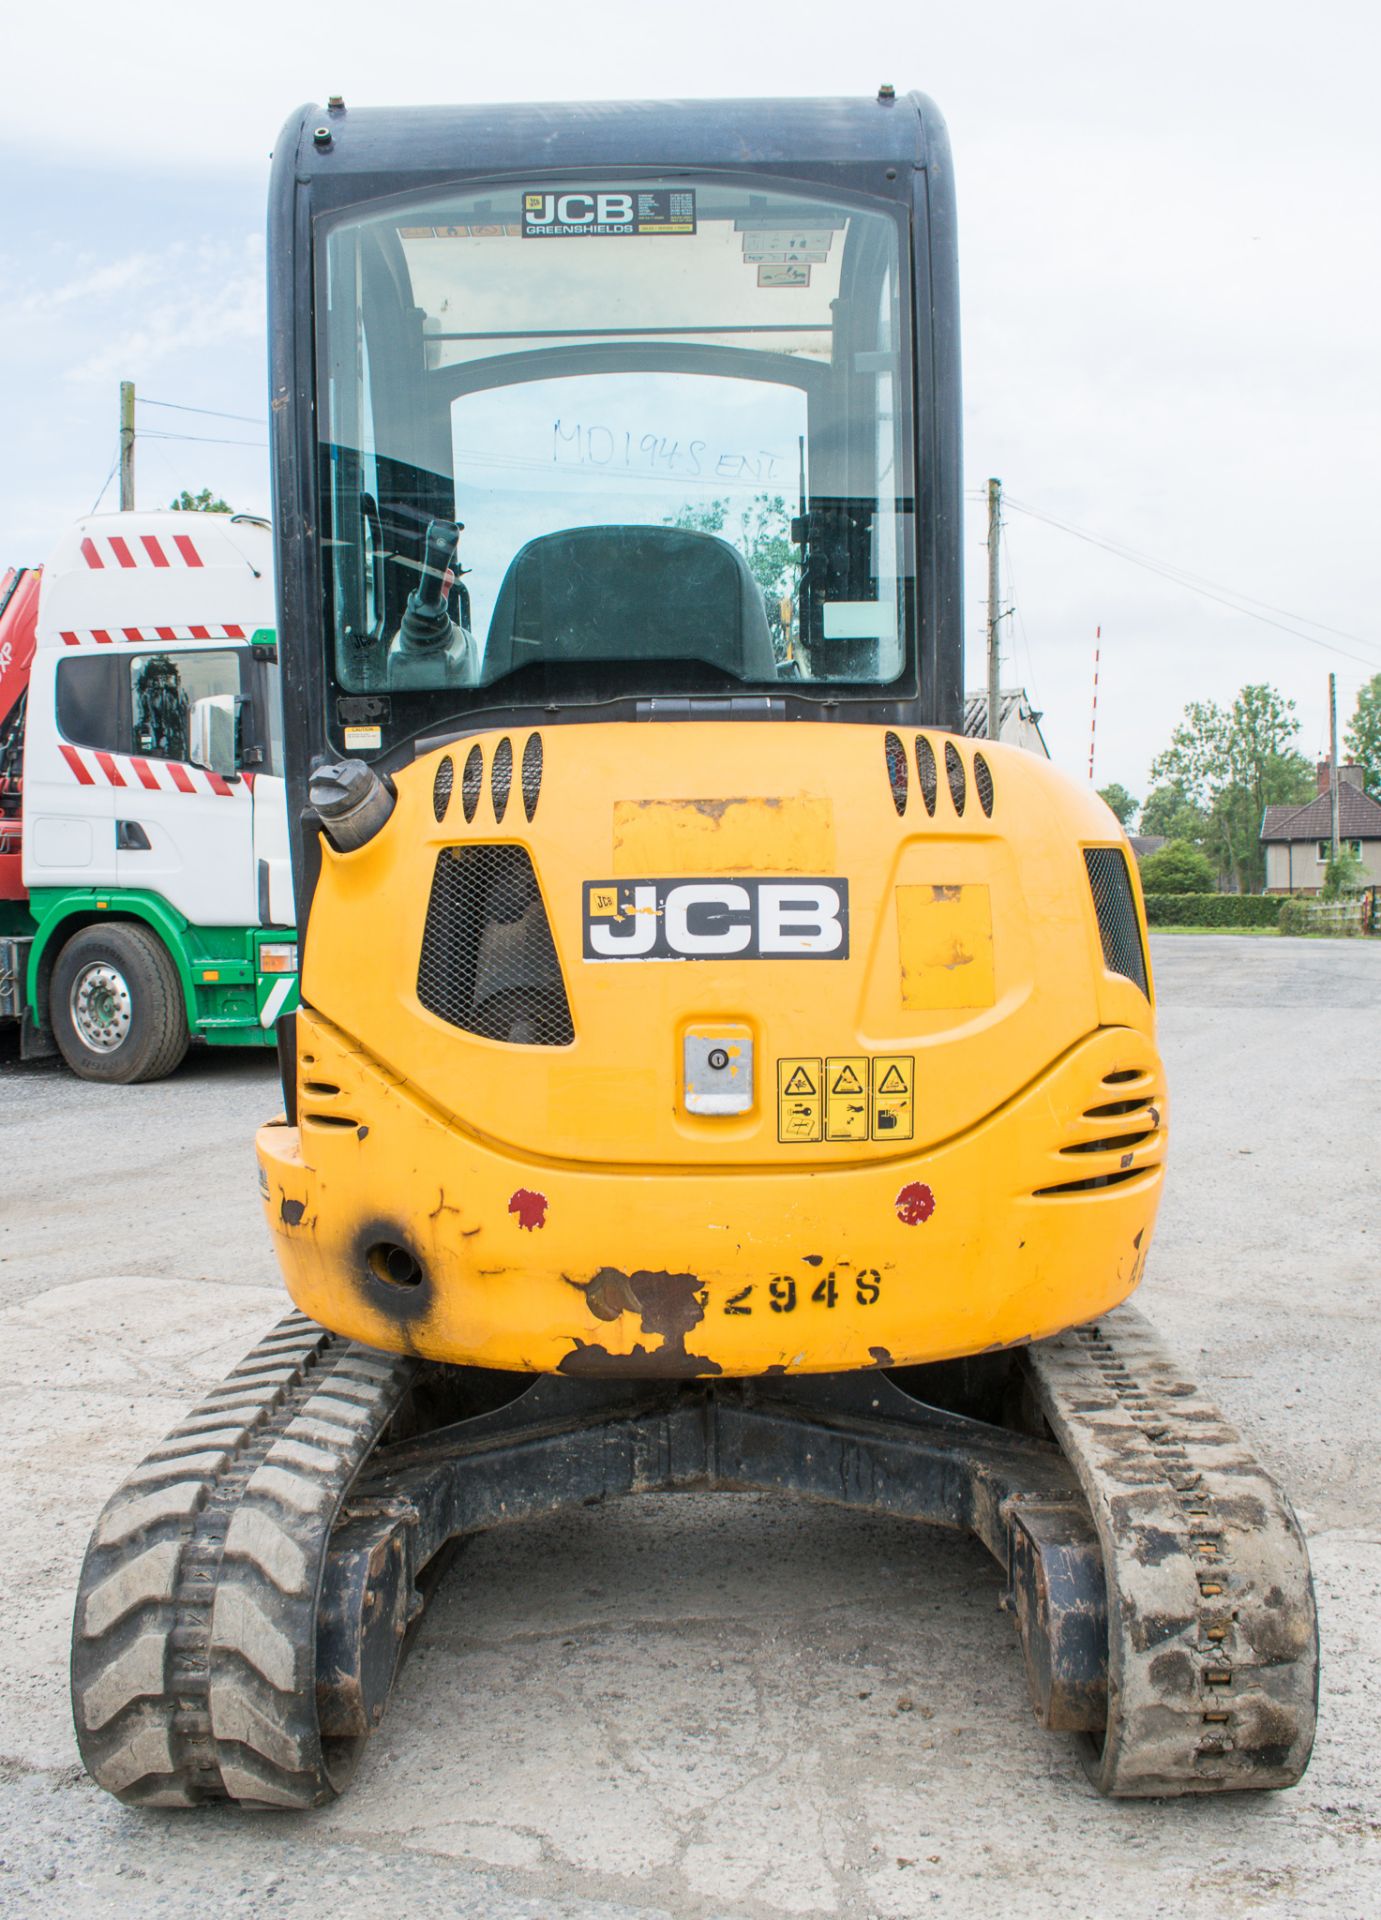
116	1006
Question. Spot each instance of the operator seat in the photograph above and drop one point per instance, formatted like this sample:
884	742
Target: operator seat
629	592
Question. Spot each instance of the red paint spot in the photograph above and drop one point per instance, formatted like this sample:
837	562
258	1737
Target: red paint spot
915	1204
531	1208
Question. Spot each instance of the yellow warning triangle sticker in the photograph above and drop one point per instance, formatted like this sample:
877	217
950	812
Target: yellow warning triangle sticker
892	1081
800	1082
846	1081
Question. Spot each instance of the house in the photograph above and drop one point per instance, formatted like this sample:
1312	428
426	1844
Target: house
1019	725
1299	840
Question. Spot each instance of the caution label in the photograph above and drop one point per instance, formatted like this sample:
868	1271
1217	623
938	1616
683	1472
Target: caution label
800	1101
894	1111
846	1097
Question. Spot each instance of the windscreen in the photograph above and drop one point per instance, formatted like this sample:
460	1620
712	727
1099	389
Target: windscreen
596	438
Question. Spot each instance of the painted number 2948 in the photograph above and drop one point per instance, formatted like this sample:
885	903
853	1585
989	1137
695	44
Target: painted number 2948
785	1293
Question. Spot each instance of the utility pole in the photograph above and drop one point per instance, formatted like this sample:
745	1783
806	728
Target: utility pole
994	615
126	445
1333	754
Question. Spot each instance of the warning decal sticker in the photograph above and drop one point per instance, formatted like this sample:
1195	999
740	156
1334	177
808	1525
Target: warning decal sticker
798	1101
846	1099
848	1096
893	1115
594	212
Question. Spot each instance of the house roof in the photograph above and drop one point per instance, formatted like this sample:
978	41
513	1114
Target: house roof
1359	817
1011	701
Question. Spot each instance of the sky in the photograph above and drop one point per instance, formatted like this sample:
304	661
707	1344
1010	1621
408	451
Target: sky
1169	228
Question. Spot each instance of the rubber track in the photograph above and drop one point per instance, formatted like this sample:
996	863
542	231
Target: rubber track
1213	1639
194	1639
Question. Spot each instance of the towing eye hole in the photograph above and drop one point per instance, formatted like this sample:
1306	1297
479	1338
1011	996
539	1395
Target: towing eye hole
394	1265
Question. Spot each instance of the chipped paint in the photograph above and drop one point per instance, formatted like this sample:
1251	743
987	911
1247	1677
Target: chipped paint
668	1304
290	1212
530	1207
778	833
915	1203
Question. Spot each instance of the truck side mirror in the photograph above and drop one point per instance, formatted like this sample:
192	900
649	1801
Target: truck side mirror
213	733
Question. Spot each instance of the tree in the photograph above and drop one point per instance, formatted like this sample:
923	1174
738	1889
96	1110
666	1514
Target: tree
203	502
1344	874
1364	733
1123	804
1169	814
1232	765
1178	868
763	536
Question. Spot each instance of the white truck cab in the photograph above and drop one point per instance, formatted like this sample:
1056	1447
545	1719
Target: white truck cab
157	898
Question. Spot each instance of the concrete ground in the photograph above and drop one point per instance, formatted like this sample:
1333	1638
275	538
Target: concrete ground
710	1706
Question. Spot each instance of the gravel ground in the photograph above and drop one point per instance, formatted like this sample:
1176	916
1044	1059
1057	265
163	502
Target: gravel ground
698	1706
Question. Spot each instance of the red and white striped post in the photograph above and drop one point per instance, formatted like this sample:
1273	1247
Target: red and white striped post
1093	723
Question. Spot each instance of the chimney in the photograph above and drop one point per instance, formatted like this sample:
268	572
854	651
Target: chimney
1352	775
1323	776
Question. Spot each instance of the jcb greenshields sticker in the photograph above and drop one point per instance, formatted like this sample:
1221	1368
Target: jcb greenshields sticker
605	213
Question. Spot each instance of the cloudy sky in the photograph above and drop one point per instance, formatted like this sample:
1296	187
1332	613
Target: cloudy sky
1169	222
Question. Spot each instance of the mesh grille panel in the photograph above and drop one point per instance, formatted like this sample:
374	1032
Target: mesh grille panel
925	767
1112	902
488	963
983	783
441	786
954	770
896	769
501	776
532	773
471	781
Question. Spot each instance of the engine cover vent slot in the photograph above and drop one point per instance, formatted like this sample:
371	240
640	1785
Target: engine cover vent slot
926	769
1114	1143
488	962
472	783
1111	887
501	777
1092	1185
441	786
983	784
897	775
954	772
532	773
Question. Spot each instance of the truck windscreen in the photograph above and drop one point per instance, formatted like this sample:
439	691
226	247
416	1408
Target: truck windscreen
601	437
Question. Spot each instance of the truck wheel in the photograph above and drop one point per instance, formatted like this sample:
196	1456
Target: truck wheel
116	1005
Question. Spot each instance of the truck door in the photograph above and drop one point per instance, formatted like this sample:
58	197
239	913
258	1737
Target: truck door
183	830
273	869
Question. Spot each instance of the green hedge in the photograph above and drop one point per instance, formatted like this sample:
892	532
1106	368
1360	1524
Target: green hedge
1213	909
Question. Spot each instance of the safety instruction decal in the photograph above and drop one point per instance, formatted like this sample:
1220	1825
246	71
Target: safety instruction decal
846	1096
595	212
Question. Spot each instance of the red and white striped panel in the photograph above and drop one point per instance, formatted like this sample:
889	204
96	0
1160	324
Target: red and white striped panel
141	550
91	767
146	636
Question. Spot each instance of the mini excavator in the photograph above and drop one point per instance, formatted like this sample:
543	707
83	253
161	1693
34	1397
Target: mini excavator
714	1070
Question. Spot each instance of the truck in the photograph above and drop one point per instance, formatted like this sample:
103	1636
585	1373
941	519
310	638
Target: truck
145	886
712	1071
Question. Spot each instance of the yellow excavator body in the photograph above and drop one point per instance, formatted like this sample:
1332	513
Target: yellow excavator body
936	1123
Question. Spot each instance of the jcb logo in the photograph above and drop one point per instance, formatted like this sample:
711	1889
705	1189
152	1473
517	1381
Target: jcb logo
716	919
577	210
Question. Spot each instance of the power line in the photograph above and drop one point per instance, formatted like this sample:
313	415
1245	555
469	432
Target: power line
105	488
176	406
203	439
1225	596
